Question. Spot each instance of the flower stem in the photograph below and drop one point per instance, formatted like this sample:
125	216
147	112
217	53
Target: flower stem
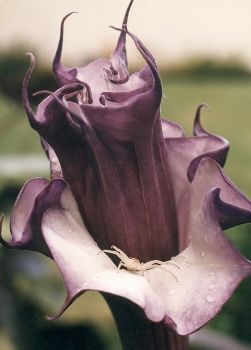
136	332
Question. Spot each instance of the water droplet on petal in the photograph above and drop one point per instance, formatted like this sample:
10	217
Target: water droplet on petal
212	273
172	292
210	299
202	253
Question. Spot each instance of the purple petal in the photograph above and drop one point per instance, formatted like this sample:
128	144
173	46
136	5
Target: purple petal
116	67
56	171
186	152
24	205
210	268
84	266
21	213
114	158
170	293
64	75
220	151
171	129
35	196
119	56
233	208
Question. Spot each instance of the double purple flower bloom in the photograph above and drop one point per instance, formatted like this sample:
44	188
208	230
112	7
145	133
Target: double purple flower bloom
122	175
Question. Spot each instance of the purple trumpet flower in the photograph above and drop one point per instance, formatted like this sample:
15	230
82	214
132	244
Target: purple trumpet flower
123	176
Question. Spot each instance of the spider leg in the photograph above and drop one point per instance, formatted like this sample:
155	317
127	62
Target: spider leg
120	265
170	263
122	254
159	262
112	252
153	263
171	273
162	267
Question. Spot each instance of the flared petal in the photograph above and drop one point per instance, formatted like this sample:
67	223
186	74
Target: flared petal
25	224
233	207
170	293
185	155
84	266
22	211
210	268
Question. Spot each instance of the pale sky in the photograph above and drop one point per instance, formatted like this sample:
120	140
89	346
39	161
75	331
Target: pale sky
171	29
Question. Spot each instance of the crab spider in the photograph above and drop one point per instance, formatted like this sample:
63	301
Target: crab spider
134	265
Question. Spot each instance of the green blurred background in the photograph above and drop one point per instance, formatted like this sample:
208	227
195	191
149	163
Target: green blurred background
30	286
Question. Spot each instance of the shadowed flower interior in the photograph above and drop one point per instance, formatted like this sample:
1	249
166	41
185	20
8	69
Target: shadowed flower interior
123	176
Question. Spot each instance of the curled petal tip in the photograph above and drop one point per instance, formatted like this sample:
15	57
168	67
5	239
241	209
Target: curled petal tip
204	105
149	60
59	70
119	56
66	16
33	122
32	61
198	130
32	57
57	57
42	92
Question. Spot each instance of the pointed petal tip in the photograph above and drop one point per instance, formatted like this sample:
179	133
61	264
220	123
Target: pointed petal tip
125	19
68	301
31	55
61	72
149	60
25	97
66	16
42	92
119	55
198	130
